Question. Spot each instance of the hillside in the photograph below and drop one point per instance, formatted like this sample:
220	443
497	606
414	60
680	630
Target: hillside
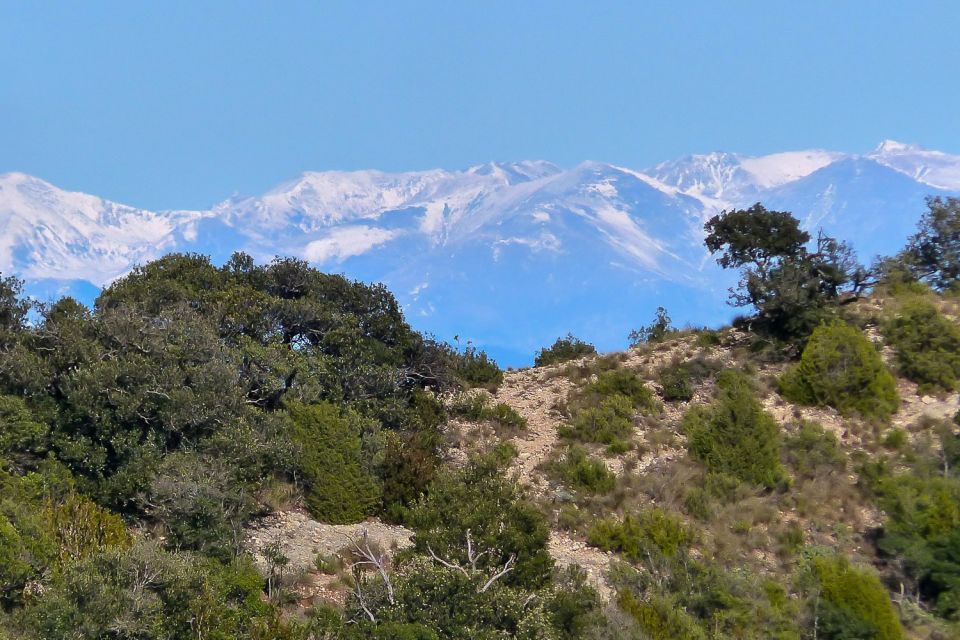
269	451
755	532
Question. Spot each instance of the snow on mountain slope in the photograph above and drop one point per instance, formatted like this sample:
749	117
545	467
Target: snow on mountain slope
732	178
48	233
935	168
509	254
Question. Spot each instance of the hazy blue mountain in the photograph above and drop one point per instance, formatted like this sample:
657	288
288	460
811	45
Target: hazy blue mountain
509	255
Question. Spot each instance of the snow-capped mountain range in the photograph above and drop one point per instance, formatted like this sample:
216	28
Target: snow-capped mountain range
510	255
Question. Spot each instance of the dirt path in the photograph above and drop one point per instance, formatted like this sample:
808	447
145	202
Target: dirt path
534	393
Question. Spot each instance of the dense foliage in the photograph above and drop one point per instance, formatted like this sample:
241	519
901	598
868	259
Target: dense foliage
933	253
565	348
734	435
187	397
927	346
840	368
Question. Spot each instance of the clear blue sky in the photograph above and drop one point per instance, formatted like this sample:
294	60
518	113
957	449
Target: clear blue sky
180	104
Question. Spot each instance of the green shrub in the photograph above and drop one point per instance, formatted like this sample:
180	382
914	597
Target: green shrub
338	488
611	423
810	449
896	439
923	530
679	379
927	346
840	368
566	348
478	408
483	500
615	382
708	338
660	618
734	435
653	531
580	471
477	369
505	416
698	503
23	440
853	603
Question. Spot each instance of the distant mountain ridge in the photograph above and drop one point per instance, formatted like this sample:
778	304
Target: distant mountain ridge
507	254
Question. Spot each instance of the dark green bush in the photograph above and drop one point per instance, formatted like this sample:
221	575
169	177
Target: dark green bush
107	596
582	472
927	346
477	369
840	368
478	408
338	489
923	530
734	435
565	348
23	440
679	379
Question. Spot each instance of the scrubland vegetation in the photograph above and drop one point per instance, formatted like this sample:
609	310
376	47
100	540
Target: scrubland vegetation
775	479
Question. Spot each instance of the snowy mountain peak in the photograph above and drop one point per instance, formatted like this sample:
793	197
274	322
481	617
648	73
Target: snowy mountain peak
892	146
513	172
934	168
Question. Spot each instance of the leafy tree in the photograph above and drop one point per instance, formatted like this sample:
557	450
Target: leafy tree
338	488
791	288
565	348
23	440
734	435
933	253
840	368
755	237
13	308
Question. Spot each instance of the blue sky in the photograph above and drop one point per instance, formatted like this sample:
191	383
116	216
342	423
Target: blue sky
180	104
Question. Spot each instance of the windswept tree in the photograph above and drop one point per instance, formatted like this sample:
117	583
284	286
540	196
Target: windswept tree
791	287
933	253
